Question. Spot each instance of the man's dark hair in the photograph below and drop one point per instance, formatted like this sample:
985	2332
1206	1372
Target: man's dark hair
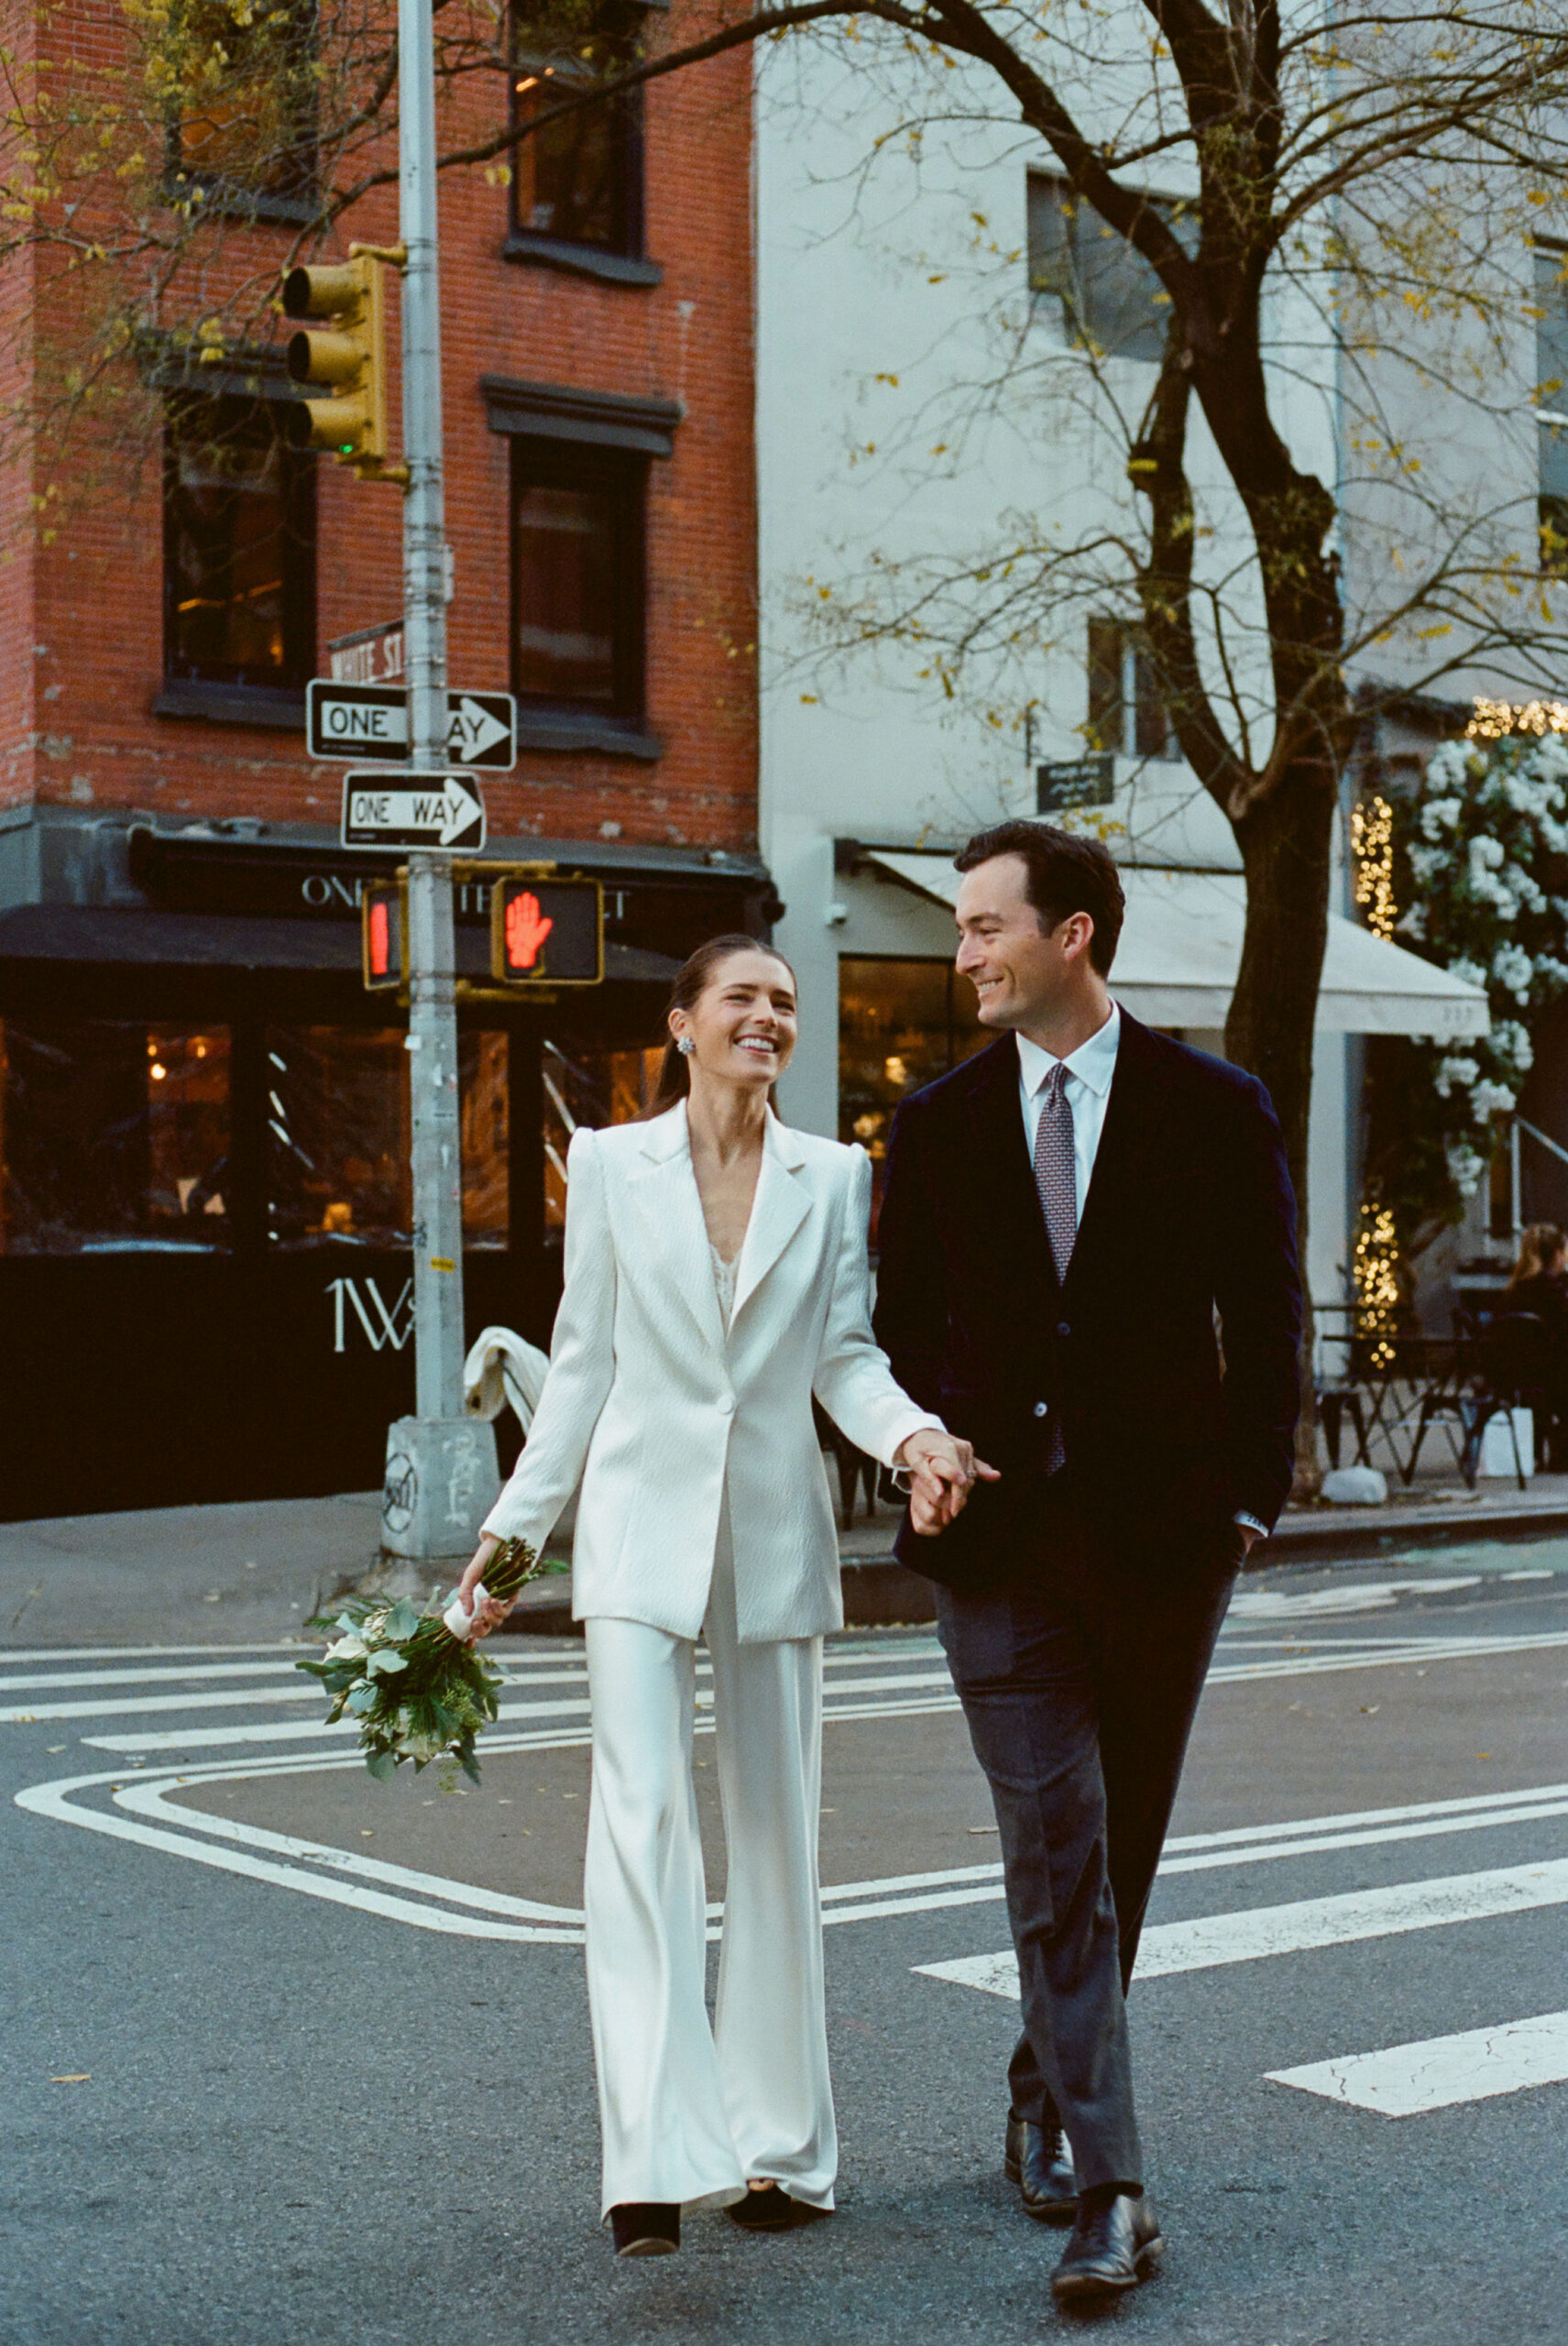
1062	875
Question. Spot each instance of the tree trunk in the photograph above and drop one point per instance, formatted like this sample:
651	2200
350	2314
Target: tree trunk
1286	840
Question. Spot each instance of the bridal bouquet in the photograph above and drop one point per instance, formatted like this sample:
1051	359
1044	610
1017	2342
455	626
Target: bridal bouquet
419	1691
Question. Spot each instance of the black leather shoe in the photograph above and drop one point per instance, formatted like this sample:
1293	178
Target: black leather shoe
645	2228
1114	2245
772	2210
1039	2161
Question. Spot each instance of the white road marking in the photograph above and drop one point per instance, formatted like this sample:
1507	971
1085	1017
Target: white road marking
231	1698
1209	1941
1358	1596
1439	2071
849	1704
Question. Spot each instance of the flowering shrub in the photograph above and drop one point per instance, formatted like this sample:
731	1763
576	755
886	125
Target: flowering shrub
1480	865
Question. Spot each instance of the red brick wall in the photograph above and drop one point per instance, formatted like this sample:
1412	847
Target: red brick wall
98	586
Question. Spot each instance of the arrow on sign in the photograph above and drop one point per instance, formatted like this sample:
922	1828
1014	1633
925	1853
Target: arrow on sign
414	810
471	730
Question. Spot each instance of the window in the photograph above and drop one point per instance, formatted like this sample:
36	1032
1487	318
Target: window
901	1023
592	1088
1112	300
1126	713
338	1137
1551	414
239	545
579	181
242	78
114	1136
577	580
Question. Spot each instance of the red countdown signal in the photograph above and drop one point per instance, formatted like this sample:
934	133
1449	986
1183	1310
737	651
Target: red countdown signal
381	935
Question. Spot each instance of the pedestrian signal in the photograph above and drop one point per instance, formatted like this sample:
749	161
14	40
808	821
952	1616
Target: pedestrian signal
381	935
546	932
347	355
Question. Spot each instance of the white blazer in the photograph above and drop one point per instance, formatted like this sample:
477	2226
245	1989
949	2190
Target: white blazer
663	1417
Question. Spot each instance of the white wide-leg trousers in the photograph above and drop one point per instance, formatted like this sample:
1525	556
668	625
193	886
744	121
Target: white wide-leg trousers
690	2112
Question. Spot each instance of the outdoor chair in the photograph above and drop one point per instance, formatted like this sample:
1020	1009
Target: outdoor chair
1514	1370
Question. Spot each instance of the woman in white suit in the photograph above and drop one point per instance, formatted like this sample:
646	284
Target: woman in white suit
716	1278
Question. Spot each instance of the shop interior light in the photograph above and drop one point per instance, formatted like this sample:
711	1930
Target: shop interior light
158	1071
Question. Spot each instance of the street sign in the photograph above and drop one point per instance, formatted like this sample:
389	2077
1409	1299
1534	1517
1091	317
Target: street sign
373	656
372	721
431	810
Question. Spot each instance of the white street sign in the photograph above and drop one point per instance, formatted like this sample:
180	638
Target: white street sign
372	721
439	810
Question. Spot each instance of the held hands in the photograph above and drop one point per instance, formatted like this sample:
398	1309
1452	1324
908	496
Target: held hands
945	1470
495	1610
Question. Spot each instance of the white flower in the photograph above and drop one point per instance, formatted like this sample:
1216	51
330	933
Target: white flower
1465	1166
1490	1099
1509	1043
1439	815
1471	972
1449	763
1485	855
1412	921
1513	970
1426	862
1549	759
347	1649
1451	1070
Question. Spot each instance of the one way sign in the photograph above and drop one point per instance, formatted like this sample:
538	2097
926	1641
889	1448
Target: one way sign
372	721
411	810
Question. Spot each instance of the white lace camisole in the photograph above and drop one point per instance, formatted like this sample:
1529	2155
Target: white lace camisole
724	1283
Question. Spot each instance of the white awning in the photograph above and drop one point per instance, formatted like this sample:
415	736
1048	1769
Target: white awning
1182	946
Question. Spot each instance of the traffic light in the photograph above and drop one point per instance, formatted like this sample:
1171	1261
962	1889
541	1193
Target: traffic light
346	354
381	935
545	932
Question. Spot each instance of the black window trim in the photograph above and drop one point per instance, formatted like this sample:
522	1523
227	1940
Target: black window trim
257	374
616	420
629	265
231	199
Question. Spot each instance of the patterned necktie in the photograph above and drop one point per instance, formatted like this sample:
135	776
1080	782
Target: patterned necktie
1056	1174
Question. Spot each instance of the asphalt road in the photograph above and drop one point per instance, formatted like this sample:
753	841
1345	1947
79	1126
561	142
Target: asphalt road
294	2056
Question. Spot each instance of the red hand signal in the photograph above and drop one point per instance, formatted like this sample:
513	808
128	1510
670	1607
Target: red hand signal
527	929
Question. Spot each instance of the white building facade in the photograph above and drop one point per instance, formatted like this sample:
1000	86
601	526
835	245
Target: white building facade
916	406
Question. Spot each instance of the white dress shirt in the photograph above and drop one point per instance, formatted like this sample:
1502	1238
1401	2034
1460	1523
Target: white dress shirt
1088	1090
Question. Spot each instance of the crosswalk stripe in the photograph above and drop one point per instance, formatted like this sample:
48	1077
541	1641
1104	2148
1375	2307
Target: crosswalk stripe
1209	1941
1436	2072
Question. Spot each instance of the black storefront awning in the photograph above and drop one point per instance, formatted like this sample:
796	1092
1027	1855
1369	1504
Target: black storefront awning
104	935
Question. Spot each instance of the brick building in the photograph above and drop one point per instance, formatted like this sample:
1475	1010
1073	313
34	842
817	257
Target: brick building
203	1198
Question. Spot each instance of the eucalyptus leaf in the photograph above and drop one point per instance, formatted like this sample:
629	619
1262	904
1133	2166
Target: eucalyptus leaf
382	1766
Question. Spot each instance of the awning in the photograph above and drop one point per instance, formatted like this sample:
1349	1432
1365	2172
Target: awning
1182	946
97	933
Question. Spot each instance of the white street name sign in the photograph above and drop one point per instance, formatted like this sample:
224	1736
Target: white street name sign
437	810
372	721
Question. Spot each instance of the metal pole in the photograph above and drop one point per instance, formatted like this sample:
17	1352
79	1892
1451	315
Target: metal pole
440	1465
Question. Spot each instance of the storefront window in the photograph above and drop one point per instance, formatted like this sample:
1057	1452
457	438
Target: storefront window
901	1023
114	1136
591	1088
338	1137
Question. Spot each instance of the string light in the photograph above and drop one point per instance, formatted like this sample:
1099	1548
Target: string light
1376	1270
1495	719
1371	850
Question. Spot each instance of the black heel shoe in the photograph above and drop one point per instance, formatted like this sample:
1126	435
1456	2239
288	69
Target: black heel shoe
772	2210
645	2228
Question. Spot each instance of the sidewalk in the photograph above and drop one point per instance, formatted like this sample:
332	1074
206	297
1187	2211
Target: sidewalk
251	1574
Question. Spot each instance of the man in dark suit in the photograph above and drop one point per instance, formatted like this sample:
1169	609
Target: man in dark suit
1063	1218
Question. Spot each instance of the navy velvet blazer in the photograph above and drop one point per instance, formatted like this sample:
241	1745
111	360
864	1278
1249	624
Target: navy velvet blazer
1190	1213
